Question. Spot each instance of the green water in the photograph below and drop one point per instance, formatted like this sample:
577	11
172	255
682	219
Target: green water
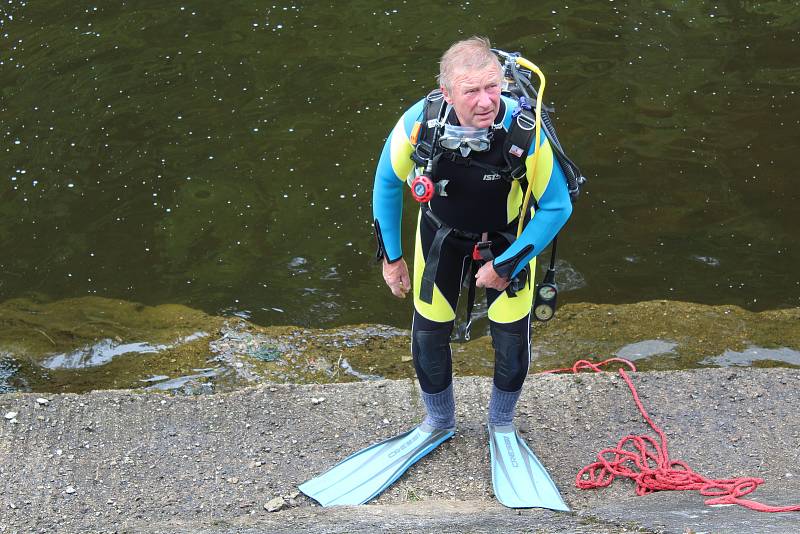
220	155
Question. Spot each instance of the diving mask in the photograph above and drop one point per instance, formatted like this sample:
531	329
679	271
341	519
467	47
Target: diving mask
465	138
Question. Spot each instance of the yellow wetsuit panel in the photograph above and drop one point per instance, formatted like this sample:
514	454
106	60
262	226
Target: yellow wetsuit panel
439	309
401	150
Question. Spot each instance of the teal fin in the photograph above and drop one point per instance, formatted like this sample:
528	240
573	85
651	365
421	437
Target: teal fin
362	476
518	477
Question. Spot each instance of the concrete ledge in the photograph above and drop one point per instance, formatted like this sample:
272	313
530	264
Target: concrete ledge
143	462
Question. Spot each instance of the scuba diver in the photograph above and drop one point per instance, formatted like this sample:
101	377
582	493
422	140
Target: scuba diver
469	152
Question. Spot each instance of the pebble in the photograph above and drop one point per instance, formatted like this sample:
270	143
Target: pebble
70	490
274	505
233	480
316	400
42	401
11	415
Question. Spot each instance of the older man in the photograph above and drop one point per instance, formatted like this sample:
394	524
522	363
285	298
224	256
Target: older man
479	201
457	137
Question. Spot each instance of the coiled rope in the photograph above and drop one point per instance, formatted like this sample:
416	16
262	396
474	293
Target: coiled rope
645	460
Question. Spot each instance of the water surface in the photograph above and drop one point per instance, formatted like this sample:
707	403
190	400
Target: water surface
222	157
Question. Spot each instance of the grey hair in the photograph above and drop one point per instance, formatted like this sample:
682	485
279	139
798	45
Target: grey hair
474	53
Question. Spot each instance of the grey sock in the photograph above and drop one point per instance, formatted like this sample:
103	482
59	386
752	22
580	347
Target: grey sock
502	406
440	408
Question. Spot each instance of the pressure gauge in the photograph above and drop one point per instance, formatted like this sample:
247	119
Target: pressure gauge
543	312
547	292
544	303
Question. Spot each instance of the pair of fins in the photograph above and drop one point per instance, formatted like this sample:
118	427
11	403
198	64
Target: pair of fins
519	479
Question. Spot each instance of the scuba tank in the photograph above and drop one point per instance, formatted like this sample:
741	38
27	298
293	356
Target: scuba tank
517	73
517	84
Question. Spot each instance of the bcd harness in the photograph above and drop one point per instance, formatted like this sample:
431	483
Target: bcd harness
481	253
515	150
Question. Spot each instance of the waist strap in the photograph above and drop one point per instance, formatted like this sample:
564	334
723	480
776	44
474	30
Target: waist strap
482	248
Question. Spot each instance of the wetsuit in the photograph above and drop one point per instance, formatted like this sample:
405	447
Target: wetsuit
478	201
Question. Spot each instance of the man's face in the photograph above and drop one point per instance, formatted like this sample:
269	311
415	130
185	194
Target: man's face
475	96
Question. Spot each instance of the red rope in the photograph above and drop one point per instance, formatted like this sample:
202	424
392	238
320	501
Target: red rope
646	461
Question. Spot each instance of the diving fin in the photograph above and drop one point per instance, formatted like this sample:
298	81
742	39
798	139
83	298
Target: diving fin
365	474
519	479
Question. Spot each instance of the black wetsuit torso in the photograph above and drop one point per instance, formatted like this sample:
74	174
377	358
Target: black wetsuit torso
477	197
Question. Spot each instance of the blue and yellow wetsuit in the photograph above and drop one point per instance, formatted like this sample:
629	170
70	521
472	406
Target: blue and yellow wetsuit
477	201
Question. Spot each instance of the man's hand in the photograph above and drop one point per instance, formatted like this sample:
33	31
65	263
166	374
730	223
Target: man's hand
487	277
396	277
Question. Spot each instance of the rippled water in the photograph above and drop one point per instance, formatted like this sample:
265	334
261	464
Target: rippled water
221	155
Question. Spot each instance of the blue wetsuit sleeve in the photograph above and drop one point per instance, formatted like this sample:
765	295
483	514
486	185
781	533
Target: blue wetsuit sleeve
394	166
554	208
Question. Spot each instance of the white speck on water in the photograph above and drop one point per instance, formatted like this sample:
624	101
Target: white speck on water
708	260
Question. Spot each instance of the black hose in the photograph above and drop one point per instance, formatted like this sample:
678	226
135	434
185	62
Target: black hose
571	171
